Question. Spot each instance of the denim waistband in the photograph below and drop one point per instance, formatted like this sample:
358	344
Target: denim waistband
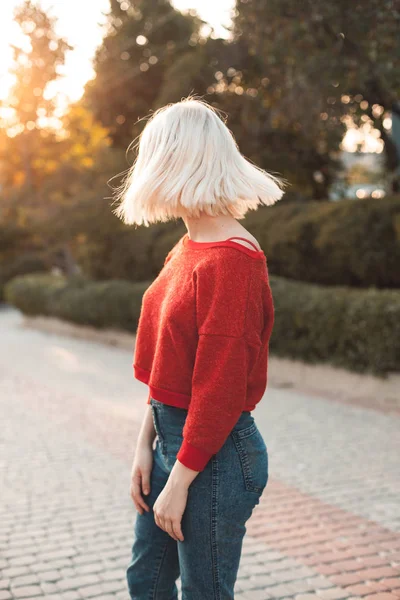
245	419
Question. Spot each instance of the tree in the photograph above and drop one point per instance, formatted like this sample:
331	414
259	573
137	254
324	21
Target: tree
139	38
35	66
143	39
321	62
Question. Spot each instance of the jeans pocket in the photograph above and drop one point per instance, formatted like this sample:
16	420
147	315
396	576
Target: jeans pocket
253	457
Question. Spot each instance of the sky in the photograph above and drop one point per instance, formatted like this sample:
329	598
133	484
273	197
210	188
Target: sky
85	35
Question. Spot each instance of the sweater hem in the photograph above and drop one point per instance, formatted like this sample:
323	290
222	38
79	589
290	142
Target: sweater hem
169	397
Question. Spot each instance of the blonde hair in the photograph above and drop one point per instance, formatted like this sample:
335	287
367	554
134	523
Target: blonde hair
187	162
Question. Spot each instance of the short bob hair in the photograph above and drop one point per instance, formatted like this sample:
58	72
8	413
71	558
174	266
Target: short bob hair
188	162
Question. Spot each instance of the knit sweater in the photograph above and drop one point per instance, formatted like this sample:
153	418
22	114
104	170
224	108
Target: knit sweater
202	339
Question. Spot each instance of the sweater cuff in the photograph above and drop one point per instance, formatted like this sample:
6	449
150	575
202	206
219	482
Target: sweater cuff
192	457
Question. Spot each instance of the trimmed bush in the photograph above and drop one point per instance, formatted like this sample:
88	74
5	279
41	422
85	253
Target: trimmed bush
33	294
352	242
355	329
99	304
22	264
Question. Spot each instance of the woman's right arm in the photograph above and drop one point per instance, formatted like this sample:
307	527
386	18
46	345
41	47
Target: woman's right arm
143	462
147	432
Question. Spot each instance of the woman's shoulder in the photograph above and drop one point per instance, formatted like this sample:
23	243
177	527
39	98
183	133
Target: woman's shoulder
247	240
235	258
175	248
230	268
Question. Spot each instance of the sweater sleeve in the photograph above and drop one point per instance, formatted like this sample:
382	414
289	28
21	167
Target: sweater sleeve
223	357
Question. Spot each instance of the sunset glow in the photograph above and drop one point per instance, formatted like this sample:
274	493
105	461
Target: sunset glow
85	34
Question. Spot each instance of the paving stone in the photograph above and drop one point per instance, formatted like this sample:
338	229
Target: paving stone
114	586
333	594
281	591
13	572
49	575
90	568
27	592
381	596
90	591
259	581
392	582
82	580
257	595
293	574
303	586
24	580
49	588
71	595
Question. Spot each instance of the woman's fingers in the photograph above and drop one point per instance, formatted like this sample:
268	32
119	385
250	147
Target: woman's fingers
146	482
144	488
170	525
136	494
141	475
170	529
176	526
159	522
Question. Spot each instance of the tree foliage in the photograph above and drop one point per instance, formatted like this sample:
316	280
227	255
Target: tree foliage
144	39
318	63
36	65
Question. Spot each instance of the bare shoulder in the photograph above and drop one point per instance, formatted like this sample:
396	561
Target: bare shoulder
247	240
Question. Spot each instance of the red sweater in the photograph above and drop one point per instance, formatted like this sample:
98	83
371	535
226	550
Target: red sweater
202	339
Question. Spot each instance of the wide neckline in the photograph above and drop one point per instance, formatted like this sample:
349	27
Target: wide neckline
189	243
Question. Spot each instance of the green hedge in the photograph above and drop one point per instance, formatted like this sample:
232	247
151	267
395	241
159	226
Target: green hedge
352	242
350	328
34	262
355	329
99	304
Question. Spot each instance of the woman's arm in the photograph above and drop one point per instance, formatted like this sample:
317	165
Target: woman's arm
182	474
147	432
143	462
179	473
171	503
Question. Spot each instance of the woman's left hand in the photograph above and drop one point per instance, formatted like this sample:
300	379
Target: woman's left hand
170	506
171	503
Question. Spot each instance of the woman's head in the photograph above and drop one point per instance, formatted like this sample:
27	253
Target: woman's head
188	163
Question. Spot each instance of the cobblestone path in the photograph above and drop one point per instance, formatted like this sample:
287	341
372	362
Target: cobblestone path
327	527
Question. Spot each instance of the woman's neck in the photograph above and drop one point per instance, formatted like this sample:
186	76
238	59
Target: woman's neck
209	229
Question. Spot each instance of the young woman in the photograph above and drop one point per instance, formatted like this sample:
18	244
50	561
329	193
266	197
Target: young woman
202	349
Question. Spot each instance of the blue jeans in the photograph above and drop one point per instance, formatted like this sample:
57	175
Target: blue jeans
220	501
